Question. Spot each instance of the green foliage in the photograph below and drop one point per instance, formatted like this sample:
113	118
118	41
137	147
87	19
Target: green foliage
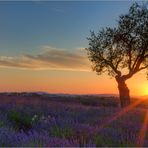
21	121
34	143
1	124
102	141
61	132
99	141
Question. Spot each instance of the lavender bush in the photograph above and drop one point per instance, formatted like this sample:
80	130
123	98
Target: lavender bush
57	124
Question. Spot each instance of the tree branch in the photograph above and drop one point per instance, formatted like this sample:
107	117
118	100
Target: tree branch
142	68
140	60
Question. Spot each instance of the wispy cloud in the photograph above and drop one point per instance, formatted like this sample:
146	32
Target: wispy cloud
49	58
80	48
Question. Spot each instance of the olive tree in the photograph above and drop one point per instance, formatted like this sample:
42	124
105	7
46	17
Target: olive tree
122	51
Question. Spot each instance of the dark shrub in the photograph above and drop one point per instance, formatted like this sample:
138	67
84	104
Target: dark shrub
21	121
88	101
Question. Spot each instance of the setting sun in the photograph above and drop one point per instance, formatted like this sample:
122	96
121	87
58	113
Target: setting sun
144	90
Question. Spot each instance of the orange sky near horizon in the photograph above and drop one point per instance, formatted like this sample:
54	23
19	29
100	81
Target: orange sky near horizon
71	82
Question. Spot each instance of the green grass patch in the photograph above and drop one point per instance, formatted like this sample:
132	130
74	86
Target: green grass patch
61	132
2	124
21	121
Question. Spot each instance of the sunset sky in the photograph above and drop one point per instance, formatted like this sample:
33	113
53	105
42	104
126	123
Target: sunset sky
42	47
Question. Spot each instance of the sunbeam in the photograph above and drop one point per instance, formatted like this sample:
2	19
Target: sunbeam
142	133
119	114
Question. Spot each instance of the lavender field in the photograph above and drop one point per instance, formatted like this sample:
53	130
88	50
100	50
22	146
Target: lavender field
69	121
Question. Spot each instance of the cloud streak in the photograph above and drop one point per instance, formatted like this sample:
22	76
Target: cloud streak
49	58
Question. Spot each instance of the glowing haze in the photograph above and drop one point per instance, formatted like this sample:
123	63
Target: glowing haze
42	47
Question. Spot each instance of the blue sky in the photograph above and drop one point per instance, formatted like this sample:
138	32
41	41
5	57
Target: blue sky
40	46
26	26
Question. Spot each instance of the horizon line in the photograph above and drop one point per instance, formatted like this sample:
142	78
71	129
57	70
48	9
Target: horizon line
61	93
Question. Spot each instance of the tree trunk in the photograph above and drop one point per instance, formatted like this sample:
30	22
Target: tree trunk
123	92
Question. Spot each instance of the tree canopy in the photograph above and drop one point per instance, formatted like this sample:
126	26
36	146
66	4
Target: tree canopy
122	48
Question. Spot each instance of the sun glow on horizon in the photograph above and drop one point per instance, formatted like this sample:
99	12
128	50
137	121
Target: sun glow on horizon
144	90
